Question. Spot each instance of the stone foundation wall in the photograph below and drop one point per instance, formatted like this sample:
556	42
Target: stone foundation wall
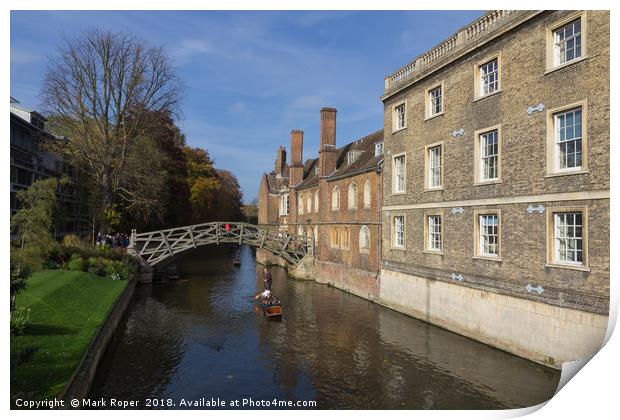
265	257
537	331
362	283
82	378
305	270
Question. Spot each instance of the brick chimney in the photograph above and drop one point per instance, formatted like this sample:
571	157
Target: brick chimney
296	171
280	160
327	151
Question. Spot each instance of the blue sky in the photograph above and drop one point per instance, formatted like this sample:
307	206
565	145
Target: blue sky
251	77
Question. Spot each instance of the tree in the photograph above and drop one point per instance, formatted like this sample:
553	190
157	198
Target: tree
250	212
98	89
228	197
214	193
203	183
170	142
31	226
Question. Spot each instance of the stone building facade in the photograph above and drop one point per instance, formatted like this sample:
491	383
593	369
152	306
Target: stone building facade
489	212
335	201
496	190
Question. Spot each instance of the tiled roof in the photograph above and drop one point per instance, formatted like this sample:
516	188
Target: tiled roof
274	183
365	160
311	178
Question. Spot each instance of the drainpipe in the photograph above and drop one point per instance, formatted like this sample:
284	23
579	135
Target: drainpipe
380	225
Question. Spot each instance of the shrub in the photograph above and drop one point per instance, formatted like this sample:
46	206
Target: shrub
76	263
19	320
96	266
117	270
72	241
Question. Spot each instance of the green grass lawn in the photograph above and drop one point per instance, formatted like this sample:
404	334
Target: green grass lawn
67	307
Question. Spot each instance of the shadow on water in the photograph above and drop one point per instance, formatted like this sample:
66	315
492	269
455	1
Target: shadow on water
200	337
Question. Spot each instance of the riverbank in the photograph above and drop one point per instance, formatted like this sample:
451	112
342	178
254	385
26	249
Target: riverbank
67	309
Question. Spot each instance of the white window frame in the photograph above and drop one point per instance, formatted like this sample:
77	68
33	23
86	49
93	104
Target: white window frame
553	155
480	217
364	239
352	196
284	205
379	149
553	241
308	203
563	45
432	171
553	61
430	102
350	158
433	232
335	198
395	175
567	243
316	201
398	241
300	203
367	194
399	119
479	79
479	156
576	139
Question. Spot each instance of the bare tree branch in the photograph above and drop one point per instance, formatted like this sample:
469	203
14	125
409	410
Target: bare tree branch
97	79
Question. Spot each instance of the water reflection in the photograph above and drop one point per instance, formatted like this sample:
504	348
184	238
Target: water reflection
200	337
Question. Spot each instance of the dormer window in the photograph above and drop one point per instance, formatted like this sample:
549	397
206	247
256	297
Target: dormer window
350	157
378	149
316	169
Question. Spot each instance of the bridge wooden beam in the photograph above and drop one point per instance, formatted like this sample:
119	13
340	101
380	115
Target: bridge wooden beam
191	234
163	235
165	243
288	239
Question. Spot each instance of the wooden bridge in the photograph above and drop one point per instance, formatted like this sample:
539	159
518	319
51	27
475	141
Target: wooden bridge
157	246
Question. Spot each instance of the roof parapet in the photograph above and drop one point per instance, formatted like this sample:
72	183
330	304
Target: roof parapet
465	37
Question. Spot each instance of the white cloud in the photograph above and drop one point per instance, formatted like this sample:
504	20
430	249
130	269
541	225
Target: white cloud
190	47
239	107
23	57
308	102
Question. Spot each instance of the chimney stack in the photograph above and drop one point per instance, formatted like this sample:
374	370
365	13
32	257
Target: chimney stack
296	171
280	161
327	152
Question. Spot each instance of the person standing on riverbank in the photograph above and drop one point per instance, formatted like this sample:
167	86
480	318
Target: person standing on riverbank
267	280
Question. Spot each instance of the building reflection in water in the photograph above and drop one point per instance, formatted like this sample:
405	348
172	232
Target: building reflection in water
201	337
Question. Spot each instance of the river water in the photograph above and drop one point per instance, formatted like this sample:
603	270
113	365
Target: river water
200	337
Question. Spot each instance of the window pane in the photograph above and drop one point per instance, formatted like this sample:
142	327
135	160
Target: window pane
568	139
568	237
434	166
489	239
568	42
489	77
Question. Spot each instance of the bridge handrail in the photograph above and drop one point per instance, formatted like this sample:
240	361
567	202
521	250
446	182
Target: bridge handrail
290	246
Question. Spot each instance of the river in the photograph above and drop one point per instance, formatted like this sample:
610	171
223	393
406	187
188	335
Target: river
200	337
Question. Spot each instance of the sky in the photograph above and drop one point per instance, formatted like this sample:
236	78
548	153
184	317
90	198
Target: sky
252	77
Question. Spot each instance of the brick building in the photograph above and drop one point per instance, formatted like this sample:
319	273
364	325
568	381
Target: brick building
333	199
490	215
496	190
